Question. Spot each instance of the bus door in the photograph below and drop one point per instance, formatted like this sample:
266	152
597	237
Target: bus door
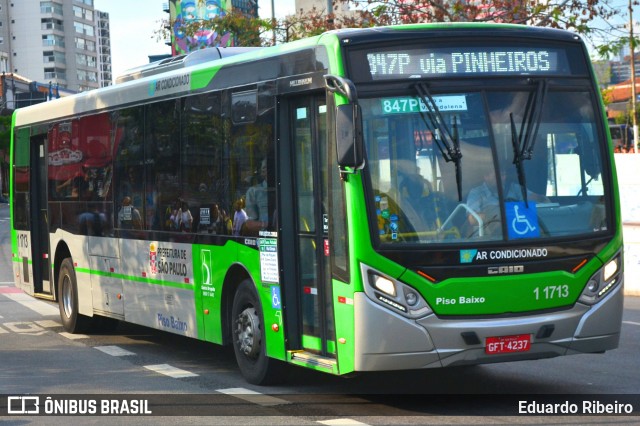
306	244
39	216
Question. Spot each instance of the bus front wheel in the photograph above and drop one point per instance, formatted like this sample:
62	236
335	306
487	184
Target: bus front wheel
72	320
249	343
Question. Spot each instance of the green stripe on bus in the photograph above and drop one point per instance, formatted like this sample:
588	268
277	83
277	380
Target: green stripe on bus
133	278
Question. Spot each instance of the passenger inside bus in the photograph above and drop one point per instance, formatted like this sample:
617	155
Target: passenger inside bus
484	201
184	219
257	204
213	220
129	216
417	201
132	187
239	216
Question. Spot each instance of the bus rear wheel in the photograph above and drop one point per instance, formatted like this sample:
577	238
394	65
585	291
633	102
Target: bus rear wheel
72	320
249	342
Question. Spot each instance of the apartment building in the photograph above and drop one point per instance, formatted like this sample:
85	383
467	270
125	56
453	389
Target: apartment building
65	42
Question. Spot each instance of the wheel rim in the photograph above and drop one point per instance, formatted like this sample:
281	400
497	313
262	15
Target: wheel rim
248	335
67	296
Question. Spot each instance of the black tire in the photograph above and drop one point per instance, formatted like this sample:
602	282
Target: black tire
72	320
249	343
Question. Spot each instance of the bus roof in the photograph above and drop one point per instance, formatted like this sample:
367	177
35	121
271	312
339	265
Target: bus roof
141	85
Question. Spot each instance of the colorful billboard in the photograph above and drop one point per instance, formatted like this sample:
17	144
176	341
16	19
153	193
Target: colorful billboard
185	12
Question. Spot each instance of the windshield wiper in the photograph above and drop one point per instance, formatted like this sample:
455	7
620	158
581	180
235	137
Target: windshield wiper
517	160
524	141
447	142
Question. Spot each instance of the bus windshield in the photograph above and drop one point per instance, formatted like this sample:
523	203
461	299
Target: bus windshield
529	164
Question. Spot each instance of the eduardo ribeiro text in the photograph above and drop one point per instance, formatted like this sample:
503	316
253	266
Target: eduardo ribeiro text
566	407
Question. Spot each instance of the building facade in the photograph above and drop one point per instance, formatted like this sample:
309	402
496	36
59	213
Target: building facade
247	7
5	40
323	6
621	68
103	33
65	42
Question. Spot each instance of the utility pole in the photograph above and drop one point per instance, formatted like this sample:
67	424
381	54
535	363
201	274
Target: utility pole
273	20
633	79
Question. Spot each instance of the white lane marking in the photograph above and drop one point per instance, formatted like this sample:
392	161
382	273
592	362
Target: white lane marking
23	327
170	371
253	397
631	322
114	350
48	323
73	336
35	305
341	422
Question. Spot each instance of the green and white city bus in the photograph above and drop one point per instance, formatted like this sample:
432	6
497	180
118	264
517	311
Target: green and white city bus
375	199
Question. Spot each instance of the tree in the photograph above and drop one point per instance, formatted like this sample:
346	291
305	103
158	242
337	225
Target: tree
573	15
592	19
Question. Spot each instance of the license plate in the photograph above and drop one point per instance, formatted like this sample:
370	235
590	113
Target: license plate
508	344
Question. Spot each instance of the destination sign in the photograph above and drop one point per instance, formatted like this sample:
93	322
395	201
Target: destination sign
466	61
405	105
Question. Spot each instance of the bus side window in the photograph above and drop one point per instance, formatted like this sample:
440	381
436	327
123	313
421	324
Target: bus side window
162	155
129	157
203	169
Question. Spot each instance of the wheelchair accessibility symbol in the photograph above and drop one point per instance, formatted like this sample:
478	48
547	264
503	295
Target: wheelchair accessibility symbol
275	297
522	222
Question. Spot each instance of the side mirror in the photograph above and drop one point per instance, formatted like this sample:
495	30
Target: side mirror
349	136
348	131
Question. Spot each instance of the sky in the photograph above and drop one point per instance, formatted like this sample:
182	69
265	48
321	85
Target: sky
134	23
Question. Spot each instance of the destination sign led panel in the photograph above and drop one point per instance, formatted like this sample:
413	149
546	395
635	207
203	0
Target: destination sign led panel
469	61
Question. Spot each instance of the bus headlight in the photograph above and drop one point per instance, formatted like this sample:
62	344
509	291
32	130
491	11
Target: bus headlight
610	269
383	284
602	282
394	295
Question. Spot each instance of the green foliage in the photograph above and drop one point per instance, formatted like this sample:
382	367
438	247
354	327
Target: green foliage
622	119
606	96
615	46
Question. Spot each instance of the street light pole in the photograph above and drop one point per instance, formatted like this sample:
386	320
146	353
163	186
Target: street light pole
633	79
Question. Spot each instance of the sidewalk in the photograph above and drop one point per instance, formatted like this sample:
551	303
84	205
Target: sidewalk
627	168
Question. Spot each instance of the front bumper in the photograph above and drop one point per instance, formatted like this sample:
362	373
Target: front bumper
388	341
